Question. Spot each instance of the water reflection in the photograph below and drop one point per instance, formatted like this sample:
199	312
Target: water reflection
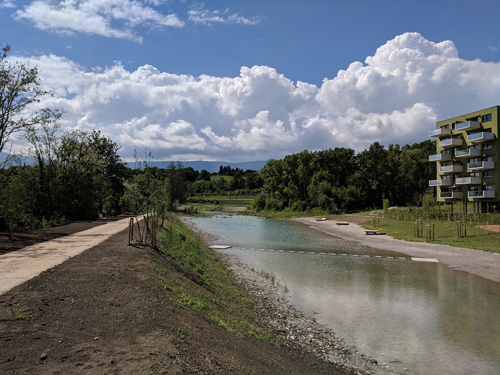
421	316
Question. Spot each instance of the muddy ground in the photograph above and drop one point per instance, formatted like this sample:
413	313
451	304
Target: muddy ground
103	312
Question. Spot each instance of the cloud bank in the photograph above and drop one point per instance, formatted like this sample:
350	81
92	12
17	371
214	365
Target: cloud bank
395	96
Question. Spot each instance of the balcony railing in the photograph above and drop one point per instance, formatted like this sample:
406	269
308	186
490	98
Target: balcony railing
450	142
481	165
451	195
455	168
467	153
468	125
440	157
482	194
480	137
441	132
468	181
440	182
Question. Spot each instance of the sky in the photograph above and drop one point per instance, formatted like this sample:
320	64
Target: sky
252	80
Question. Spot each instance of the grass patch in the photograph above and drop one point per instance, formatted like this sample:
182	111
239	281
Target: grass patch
445	233
25	313
204	284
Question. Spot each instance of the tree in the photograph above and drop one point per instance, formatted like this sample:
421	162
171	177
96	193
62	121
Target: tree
19	89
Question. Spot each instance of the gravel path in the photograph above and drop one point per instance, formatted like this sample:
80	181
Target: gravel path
477	262
16	267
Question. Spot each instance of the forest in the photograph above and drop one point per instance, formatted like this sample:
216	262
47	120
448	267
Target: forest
339	180
63	176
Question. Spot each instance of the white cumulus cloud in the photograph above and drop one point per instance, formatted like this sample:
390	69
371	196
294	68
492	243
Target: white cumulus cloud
109	18
394	96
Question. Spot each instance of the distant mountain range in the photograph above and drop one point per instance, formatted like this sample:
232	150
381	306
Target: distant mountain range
211	166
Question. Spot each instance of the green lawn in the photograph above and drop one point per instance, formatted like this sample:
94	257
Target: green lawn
445	232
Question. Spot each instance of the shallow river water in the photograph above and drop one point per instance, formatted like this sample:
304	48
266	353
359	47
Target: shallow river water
418	318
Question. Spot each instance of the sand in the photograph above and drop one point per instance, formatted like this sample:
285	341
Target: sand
477	262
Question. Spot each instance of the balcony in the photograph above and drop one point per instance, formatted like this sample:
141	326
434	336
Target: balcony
455	168
450	142
440	157
468	125
482	194
441	132
480	137
468	153
440	182
451	195
481	165
468	181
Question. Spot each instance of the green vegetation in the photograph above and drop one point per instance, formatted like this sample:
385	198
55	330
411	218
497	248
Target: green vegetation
401	224
207	286
341	181
26	313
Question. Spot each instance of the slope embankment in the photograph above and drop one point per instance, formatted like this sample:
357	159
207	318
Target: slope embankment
125	309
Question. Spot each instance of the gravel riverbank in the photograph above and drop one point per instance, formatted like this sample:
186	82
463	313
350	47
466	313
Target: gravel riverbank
477	262
298	330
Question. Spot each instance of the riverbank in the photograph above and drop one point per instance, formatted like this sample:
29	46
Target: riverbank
106	311
297	330
477	262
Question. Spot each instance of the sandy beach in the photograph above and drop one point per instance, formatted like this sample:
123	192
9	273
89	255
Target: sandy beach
477	262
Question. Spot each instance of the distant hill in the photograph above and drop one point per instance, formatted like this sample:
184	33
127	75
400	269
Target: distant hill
211	166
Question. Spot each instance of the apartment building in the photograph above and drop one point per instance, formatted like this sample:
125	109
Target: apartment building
468	160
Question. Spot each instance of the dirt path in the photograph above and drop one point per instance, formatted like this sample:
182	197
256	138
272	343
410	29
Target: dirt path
19	266
481	263
20	240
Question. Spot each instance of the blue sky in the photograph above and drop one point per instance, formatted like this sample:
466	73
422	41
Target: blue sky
252	80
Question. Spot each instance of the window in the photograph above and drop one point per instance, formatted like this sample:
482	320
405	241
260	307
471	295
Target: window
487	146
486	118
487	158
445	127
487	174
474	174
475	147
488	188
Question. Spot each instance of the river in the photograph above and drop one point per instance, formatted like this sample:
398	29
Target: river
418	318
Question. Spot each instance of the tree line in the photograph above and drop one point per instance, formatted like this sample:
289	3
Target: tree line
71	175
75	175
339	180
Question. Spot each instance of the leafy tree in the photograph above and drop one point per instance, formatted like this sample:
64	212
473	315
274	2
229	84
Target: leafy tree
19	89
17	199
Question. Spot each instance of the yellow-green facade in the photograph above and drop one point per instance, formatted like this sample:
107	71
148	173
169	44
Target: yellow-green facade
468	159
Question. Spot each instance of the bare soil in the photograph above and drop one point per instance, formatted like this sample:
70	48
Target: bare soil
103	312
491	228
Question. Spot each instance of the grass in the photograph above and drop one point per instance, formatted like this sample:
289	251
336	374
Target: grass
445	232
204	284
25	313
